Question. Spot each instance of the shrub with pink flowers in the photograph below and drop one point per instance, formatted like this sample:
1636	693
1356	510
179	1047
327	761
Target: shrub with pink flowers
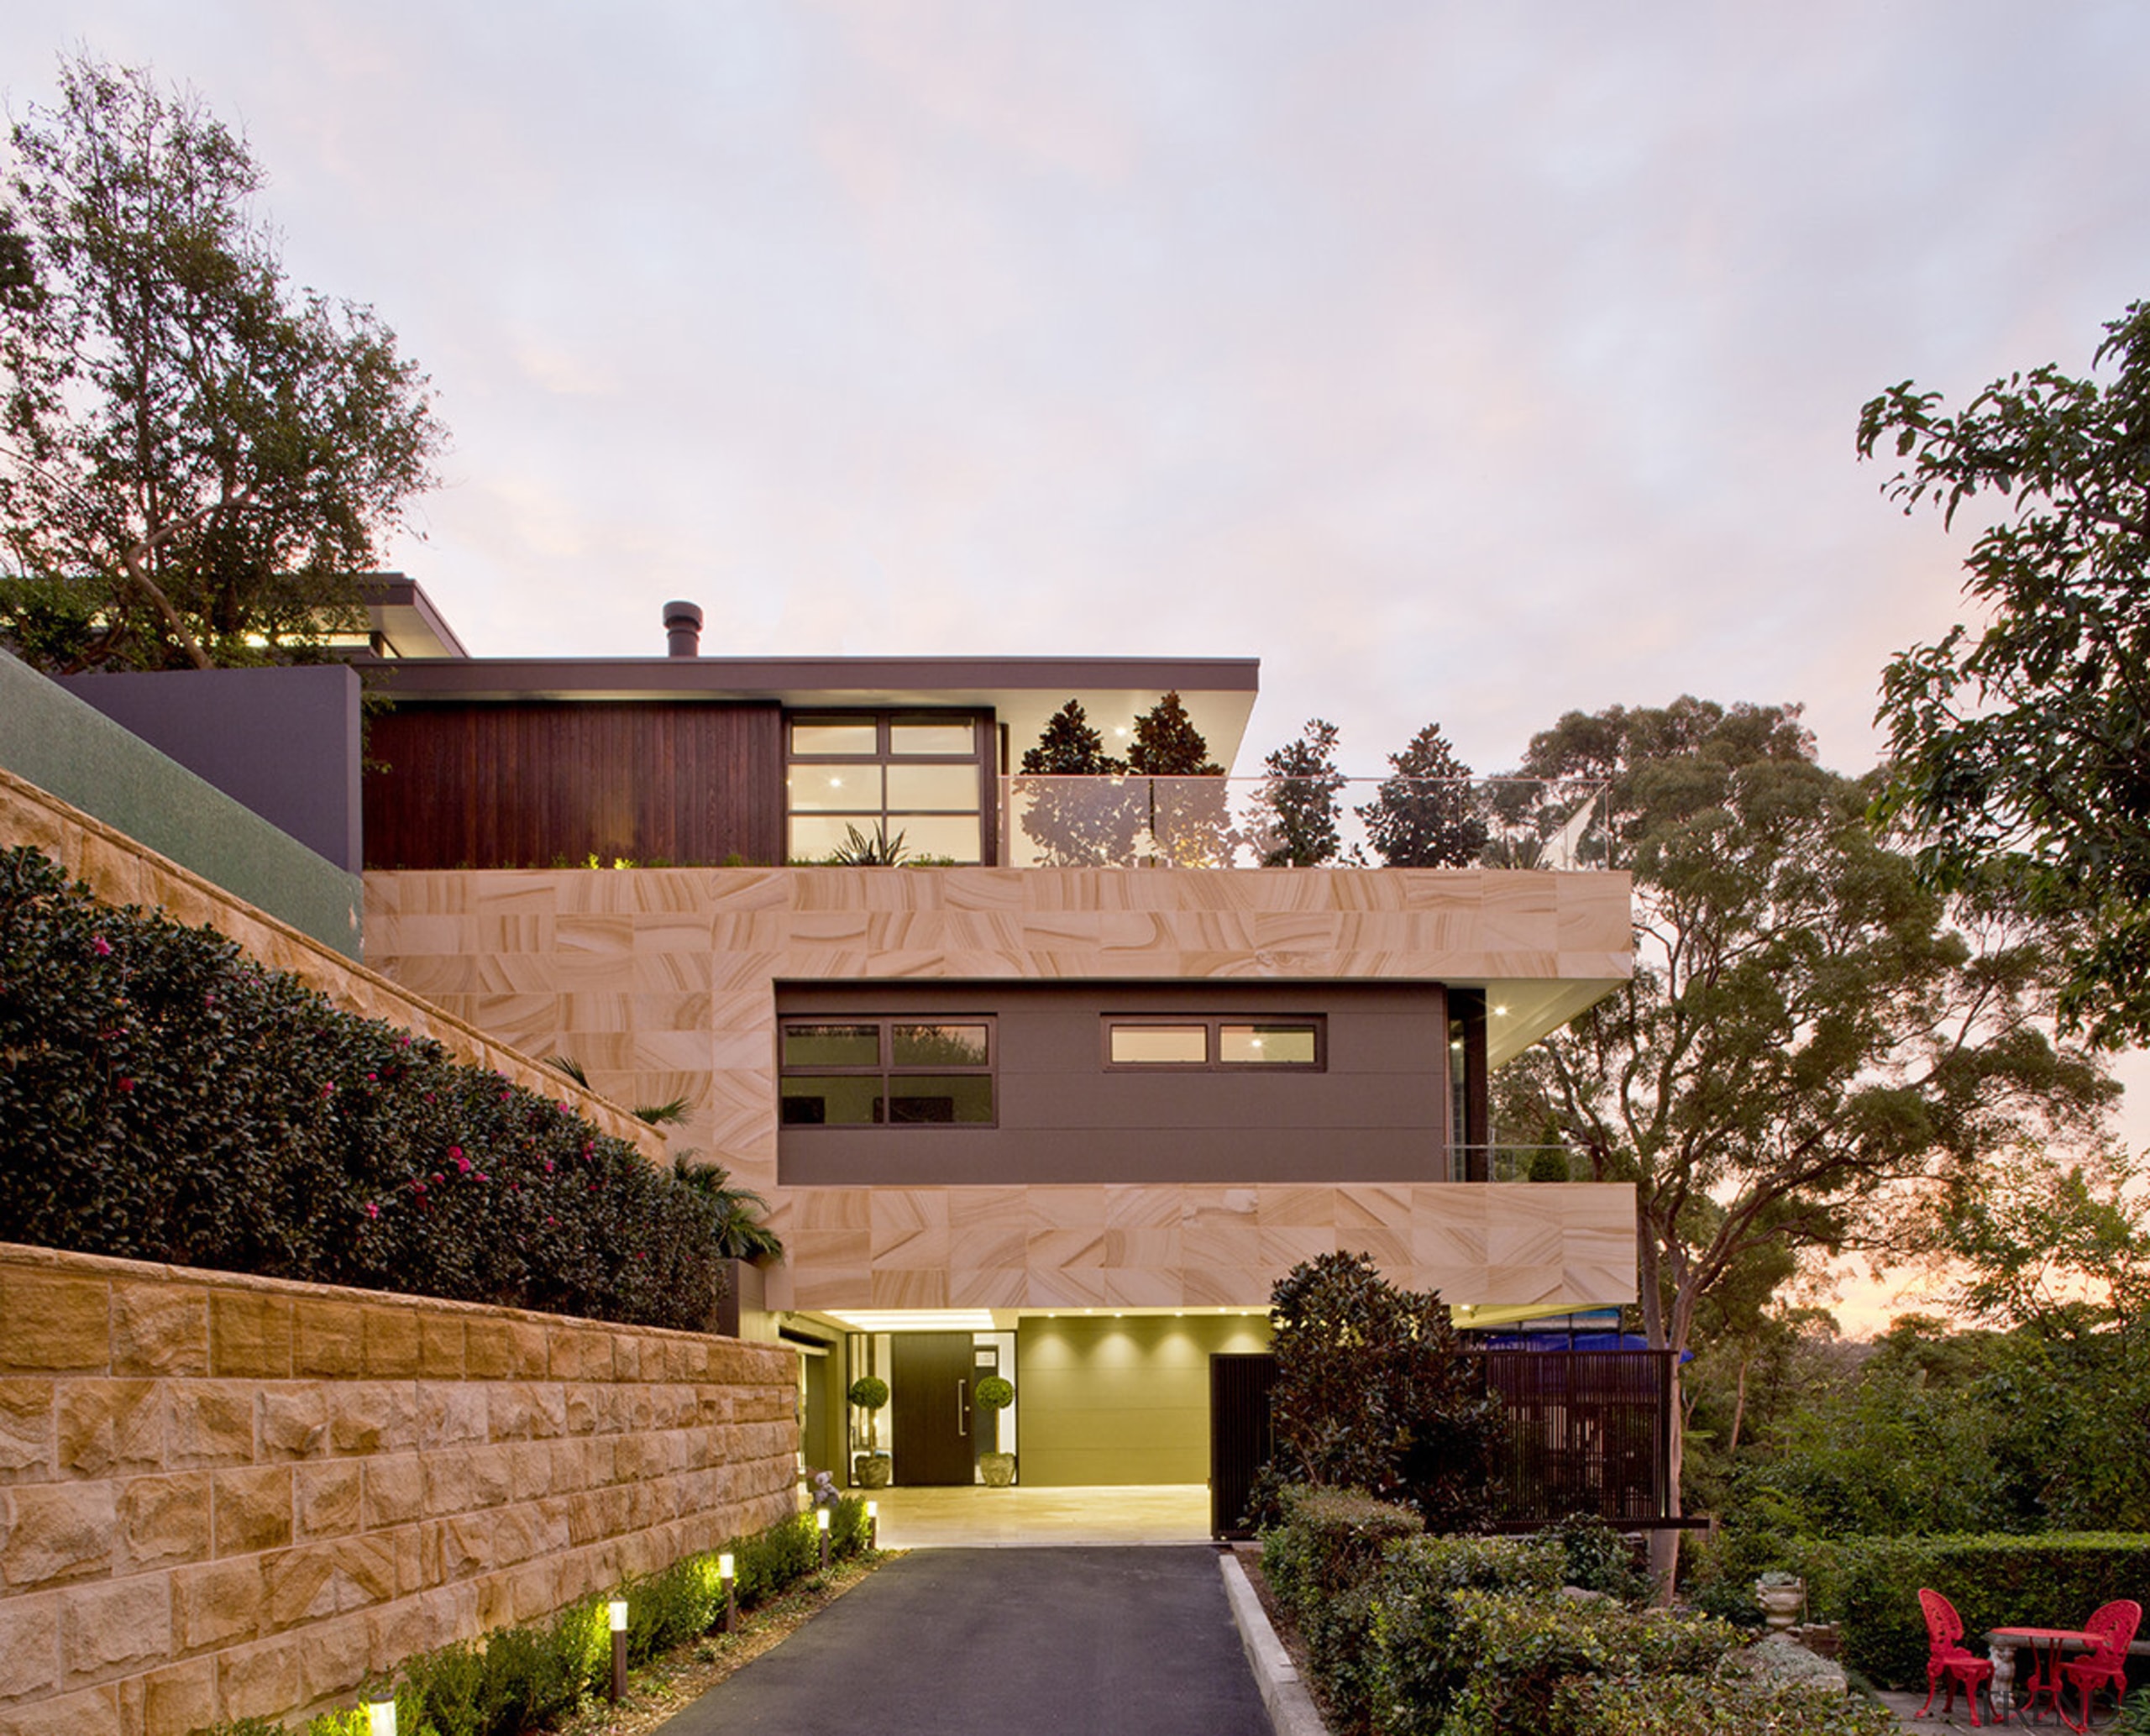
164	1097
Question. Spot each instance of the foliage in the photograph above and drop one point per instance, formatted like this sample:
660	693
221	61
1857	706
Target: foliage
1069	747
517	1679
191	453
1424	814
2018	750
163	1098
1990	1581
869	1392
1168	745
1321	1562
1724	1704
994	1393
1370	1395
1300	800
1599	1559
1805	1031
1416	1663
858	850
1076	824
741	1232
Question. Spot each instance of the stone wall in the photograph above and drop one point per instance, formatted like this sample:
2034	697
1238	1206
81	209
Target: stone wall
223	1496
122	871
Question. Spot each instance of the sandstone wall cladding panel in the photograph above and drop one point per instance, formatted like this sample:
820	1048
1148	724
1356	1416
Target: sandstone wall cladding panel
223	1496
661	981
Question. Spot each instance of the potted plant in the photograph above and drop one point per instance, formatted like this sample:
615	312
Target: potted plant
869	1469
994	1395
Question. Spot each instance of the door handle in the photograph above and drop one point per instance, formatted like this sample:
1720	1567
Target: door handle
963	1410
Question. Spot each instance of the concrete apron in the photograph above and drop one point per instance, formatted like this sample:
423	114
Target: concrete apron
1031	1517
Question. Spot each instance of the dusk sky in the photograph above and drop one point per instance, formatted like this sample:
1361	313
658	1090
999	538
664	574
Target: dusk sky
1463	362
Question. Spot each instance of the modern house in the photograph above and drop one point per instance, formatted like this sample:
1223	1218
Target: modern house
1061	1102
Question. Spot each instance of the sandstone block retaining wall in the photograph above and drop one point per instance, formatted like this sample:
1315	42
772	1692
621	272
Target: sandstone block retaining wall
223	1496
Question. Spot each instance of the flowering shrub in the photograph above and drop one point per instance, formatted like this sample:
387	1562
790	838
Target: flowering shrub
164	1097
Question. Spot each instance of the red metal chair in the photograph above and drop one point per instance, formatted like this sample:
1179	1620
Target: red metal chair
2114	1623
1948	1661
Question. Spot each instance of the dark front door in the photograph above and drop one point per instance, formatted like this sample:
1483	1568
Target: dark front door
930	1382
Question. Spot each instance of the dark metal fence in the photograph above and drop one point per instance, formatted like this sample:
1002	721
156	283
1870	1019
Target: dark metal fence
1589	1432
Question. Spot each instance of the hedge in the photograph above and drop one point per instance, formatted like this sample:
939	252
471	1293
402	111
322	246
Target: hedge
1321	1562
164	1098
2052	1579
517	1678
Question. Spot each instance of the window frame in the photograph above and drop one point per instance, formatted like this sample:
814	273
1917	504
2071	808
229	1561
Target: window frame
887	1069
881	817
1212	1024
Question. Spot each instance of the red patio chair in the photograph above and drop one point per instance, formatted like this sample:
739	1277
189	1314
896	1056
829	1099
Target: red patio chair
1948	1661
2114	1623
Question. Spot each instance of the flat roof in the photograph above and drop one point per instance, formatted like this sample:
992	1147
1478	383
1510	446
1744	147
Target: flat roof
1022	692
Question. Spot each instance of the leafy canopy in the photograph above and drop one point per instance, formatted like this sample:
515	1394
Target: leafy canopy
1422	816
2022	752
194	456
1300	800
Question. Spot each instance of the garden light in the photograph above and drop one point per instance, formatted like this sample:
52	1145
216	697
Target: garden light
821	1525
380	1717
873	1524
617	1610
725	1573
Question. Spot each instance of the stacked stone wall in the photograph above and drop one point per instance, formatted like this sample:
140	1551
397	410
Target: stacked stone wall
223	1496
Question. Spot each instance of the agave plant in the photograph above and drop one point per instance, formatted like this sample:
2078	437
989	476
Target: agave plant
740	1232
858	850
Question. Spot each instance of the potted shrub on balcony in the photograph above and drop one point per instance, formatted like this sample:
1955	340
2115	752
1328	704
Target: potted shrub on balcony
993	1395
869	1469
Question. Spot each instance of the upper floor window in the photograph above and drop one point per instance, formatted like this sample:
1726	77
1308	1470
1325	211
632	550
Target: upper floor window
887	1072
1213	1044
919	776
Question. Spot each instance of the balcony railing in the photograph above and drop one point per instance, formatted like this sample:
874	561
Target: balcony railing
1521	1163
1305	822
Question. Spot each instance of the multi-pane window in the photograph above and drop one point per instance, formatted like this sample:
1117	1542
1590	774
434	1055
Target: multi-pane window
885	775
876	1072
1214	1044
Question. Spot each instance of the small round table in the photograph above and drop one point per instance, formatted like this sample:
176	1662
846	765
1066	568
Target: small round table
2046	1644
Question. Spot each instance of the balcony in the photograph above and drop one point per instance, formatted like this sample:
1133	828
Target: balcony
1303	822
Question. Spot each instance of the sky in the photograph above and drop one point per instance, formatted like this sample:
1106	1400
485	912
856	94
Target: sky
1464	363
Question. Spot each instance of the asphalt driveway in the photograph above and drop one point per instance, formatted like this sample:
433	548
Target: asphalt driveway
1006	1642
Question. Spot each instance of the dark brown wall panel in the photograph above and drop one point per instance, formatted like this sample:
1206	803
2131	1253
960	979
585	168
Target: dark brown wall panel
537	785
1378	1112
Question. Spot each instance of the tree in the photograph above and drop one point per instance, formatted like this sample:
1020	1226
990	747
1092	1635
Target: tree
1189	823
1422	815
1076	824
193	457
1371	1394
1168	745
1300	800
2021	752
1804	1027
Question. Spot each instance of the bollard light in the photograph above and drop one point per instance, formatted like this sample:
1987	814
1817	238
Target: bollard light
821	1525
380	1717
873	1524
616	1611
725	1572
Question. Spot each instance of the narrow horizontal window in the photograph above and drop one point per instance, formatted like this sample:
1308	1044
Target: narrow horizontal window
834	737
1160	1046
1216	1044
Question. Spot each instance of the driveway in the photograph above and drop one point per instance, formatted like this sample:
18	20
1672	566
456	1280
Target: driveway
1049	1642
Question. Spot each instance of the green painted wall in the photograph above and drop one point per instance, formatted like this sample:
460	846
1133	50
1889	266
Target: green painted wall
1122	1401
51	739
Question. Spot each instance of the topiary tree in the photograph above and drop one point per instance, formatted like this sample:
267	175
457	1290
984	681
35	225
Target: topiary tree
1371	1393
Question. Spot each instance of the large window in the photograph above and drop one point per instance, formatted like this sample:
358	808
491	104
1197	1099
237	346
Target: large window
1216	1044
918	776
879	1072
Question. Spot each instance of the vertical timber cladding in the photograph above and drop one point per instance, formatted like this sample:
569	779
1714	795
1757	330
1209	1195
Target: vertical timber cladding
1374	1110
537	785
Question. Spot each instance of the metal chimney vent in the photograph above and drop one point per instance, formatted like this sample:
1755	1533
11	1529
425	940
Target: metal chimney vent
682	628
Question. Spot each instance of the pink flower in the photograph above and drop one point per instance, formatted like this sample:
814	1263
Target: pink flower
373	1078
438	1177
456	1152
505	1095
126	1084
328	1091
372	1210
404	1041
100	945
549	1166
417	1187
514	1187
551	1220
463	1165
482	1176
